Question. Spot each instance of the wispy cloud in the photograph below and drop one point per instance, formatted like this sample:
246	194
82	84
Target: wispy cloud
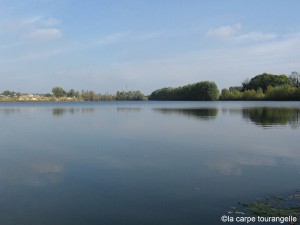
233	33
51	22
227	66
45	34
256	36
31	20
10	45
287	47
35	27
128	36
112	39
40	20
223	31
147	36
33	56
41	55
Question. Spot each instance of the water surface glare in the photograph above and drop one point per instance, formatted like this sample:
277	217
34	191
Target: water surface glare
143	163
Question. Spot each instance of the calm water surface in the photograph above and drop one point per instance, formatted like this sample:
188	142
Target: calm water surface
177	163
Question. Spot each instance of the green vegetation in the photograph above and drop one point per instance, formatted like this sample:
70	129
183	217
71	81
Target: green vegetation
242	95
271	206
203	91
270	116
198	113
92	96
261	87
265	87
9	93
59	94
263	81
129	96
282	93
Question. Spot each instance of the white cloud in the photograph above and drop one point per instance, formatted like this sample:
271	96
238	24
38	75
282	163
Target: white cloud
147	36
287	49
128	36
8	26
39	20
51	22
34	55
45	34
232	32
31	20
226	66
223	31
256	36
112	39
31	56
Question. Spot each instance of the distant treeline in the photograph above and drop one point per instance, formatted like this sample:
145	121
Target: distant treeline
58	93
261	87
201	91
92	96
265	87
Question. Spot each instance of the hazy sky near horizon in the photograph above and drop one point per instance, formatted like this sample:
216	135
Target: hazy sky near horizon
108	45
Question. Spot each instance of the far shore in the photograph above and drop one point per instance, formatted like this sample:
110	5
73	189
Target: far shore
38	98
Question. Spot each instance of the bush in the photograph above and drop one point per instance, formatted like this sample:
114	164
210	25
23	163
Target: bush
233	94
283	93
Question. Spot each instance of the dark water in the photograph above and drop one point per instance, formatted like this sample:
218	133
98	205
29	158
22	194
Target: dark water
177	163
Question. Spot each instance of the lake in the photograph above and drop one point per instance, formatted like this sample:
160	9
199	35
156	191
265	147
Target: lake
142	163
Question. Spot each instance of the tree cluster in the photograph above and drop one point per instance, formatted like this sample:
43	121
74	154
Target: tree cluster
261	87
129	96
93	96
263	81
10	93
265	87
60	92
233	94
201	91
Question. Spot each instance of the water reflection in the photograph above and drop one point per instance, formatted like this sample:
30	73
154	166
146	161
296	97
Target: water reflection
270	116
233	164
151	160
199	113
62	111
128	109
8	111
33	173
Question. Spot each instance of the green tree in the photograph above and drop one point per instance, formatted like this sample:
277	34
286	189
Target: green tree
264	80
58	92
129	96
231	94
284	93
201	91
294	78
72	93
9	93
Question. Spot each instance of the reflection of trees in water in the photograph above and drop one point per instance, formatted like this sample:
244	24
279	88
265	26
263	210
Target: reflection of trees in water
128	109
199	113
267	116
8	111
62	111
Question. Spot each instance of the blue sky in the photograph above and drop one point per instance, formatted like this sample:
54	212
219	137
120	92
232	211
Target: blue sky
145	45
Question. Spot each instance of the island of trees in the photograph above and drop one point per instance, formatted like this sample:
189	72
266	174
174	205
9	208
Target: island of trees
261	87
